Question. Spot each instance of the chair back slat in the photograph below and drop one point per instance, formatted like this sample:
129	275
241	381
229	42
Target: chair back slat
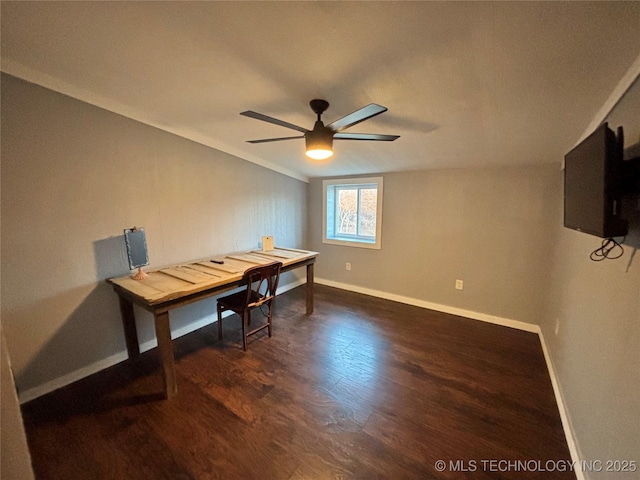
266	277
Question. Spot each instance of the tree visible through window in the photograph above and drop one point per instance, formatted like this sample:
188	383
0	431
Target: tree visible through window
352	211
357	211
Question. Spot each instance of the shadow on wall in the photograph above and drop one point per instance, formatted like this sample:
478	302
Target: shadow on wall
631	213
90	333
76	329
111	257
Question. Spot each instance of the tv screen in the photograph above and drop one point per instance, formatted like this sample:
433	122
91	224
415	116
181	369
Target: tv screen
591	185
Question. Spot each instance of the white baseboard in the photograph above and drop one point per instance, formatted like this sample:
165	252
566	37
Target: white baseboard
48	387
506	322
562	408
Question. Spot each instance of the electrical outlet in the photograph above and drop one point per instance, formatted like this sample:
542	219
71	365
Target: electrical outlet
459	285
348	266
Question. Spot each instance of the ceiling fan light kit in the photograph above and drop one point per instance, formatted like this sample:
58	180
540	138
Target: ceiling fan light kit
319	141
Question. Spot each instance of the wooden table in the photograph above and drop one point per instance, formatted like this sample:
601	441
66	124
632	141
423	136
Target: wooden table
172	287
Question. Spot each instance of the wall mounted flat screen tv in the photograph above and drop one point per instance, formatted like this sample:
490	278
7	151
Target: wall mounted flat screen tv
592	193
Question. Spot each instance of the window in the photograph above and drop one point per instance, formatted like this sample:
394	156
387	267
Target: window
352	212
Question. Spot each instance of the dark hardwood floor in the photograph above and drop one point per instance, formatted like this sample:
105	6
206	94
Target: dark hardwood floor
364	388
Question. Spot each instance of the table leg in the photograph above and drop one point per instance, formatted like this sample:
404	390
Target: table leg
130	332
310	289
165	347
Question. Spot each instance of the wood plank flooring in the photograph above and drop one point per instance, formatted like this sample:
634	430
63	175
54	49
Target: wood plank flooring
363	389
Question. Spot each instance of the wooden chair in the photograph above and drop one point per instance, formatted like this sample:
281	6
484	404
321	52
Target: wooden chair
261	296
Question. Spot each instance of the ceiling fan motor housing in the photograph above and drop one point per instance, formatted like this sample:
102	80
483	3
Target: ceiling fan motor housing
320	138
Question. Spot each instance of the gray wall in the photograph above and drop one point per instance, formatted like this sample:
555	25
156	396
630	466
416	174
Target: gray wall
595	307
493	228
73	177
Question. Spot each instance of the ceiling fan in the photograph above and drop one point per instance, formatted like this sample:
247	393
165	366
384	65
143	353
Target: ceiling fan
319	141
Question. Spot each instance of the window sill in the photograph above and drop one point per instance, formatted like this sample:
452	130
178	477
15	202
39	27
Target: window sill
351	243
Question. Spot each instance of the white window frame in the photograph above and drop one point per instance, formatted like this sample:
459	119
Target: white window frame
329	188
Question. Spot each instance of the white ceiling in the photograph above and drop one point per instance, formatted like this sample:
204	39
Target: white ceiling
466	84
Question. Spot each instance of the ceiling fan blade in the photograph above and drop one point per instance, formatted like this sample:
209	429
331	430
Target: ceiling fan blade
265	140
356	117
275	121
365	136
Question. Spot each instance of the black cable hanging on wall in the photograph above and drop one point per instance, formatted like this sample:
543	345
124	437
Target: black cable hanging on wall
608	246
